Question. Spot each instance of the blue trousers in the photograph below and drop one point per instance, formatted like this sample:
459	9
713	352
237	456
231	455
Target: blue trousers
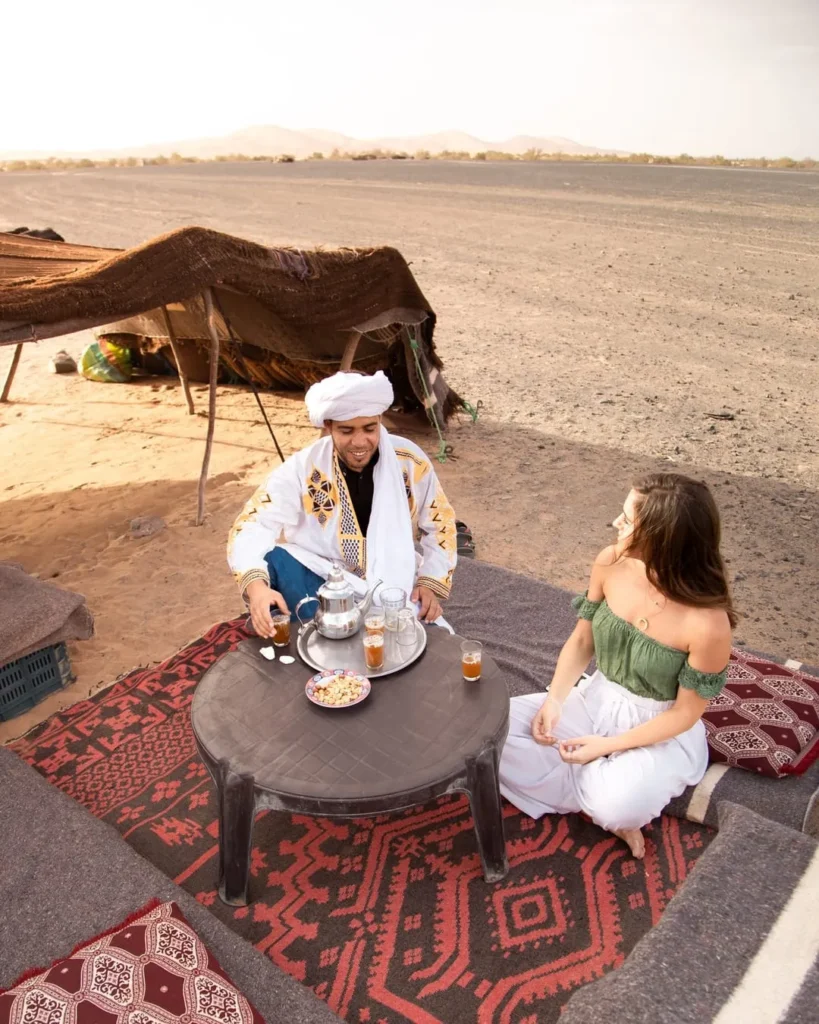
292	580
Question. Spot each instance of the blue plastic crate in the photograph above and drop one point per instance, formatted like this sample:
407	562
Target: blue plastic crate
24	683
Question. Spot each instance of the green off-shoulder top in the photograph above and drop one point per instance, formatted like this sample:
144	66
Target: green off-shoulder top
638	662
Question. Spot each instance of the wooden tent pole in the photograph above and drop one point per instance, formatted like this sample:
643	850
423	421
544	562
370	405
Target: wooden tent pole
183	379
214	374
15	359
349	352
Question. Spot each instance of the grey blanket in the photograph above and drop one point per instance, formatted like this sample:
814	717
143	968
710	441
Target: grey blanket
734	946
34	614
66	876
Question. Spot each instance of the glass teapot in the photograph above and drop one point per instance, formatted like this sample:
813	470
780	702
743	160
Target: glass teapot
338	615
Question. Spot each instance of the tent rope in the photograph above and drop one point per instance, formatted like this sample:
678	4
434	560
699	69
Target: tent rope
445	451
474	410
237	351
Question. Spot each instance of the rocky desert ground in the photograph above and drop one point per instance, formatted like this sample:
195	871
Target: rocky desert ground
610	319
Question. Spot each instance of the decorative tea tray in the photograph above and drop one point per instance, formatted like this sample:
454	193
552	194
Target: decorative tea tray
320	653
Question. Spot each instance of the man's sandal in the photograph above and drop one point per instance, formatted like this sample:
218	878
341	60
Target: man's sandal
466	546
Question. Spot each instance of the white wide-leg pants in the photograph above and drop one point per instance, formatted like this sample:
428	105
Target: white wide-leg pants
623	791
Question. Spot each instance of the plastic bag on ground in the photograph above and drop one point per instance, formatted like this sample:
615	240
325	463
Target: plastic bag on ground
107	362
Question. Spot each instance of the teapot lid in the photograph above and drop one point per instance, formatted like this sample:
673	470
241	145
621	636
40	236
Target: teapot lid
336	584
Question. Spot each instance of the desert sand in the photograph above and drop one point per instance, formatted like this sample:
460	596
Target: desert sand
603	315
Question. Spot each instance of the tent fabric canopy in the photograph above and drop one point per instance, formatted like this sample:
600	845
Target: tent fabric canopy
292	309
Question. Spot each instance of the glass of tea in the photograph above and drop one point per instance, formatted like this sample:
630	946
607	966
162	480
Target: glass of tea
281	630
471	651
374	622
374	650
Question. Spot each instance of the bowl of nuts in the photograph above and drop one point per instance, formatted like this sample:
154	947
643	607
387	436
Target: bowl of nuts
337	688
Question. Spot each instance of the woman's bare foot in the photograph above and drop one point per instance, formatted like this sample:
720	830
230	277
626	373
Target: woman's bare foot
635	839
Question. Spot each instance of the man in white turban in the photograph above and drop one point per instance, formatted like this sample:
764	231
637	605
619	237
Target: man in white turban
359	497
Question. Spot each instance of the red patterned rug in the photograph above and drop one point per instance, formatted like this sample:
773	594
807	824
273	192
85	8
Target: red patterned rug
387	919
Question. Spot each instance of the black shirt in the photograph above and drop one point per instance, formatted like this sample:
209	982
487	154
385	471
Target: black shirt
360	485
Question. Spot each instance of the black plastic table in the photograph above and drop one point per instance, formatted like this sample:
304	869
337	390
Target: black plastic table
421	733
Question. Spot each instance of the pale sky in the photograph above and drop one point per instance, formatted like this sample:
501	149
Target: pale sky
737	77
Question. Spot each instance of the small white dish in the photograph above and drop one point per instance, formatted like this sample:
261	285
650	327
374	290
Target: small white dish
316	684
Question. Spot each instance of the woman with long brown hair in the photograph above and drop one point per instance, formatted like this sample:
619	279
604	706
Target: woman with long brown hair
657	617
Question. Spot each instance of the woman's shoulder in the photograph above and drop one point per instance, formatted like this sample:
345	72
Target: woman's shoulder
707	624
708	632
602	568
608	557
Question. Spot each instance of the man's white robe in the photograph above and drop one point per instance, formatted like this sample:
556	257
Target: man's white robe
304	506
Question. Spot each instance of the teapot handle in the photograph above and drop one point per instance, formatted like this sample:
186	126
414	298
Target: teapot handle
304	600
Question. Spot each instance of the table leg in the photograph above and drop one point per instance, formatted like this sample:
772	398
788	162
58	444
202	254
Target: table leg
485	799
236	813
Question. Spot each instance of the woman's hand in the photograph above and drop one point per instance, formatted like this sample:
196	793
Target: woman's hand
584	749
544	722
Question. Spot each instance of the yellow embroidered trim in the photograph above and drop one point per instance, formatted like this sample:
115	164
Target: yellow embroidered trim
252	508
441	513
413	504
244	579
420	466
438	587
321	499
351	540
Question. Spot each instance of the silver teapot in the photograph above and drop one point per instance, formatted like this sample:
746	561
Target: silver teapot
338	615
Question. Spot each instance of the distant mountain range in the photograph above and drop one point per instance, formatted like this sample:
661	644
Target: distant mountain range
270	140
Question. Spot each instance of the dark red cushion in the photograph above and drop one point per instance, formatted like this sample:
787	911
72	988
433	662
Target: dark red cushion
151	969
766	720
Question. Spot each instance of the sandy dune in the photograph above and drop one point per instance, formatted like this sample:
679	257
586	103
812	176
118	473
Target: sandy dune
600	313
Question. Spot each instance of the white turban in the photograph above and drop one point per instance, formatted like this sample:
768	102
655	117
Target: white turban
346	396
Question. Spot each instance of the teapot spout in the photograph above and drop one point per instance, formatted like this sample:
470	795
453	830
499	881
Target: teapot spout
365	603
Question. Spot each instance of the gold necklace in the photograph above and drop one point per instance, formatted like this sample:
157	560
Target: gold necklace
642	622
